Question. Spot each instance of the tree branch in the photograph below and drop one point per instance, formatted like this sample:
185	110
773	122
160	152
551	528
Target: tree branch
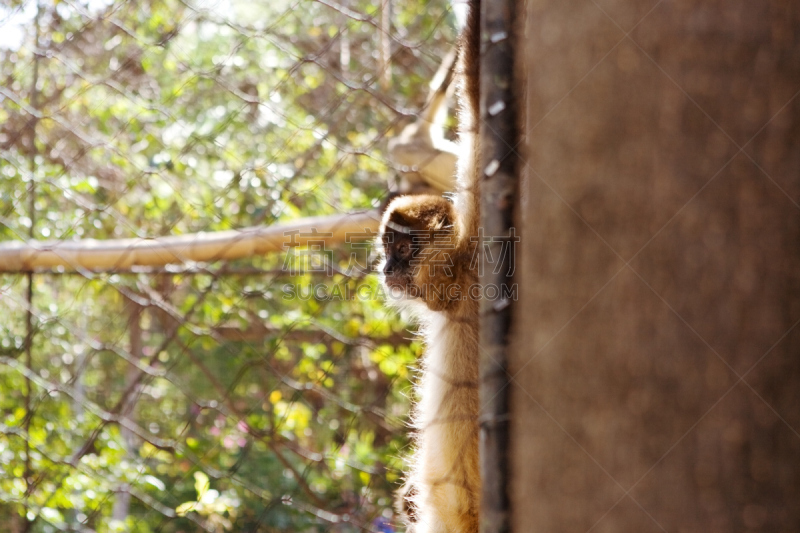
113	254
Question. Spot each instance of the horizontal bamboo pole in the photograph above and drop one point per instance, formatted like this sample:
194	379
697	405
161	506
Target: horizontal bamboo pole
113	254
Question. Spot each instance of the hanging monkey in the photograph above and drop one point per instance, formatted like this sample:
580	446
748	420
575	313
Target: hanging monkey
428	244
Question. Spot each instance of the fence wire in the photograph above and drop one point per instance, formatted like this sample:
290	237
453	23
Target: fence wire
267	393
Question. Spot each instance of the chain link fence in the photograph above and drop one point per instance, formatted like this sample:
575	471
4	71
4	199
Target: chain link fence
246	392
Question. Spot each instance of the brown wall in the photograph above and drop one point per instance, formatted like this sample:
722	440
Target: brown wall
656	361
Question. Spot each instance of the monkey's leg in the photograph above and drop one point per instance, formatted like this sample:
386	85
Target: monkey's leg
405	503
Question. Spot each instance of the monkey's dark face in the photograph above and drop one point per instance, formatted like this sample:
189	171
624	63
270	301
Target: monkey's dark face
400	251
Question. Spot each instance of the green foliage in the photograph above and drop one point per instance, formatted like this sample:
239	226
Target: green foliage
211	398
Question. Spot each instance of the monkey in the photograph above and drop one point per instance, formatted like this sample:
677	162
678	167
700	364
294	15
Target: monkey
429	244
428	270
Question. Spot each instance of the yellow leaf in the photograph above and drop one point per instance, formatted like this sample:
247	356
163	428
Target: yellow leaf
184	508
275	396
201	484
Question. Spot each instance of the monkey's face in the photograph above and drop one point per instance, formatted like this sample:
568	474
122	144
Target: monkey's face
417	244
399	266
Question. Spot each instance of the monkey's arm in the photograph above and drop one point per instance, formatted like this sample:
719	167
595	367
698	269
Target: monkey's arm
423	163
425	158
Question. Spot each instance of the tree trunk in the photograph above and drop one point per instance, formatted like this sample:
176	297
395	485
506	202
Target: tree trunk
657	354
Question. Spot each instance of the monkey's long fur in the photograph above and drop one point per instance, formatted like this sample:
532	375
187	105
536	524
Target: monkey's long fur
429	260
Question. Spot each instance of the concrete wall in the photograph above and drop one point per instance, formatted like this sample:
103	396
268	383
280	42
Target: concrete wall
656	360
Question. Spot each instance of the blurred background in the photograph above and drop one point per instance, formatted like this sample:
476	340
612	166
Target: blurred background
204	396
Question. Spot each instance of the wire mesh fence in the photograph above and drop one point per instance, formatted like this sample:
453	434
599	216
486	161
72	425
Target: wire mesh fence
263	393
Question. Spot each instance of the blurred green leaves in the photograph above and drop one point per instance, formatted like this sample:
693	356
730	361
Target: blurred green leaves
202	399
